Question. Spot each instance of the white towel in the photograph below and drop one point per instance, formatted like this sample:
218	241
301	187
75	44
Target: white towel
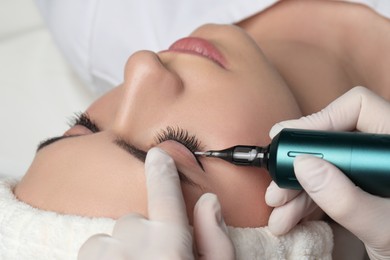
309	240
30	233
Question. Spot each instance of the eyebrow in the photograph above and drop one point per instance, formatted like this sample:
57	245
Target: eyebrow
129	148
121	143
141	156
51	140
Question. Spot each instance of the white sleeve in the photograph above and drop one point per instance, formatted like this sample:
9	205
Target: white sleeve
98	36
382	7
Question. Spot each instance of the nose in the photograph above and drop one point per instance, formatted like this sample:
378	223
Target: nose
149	89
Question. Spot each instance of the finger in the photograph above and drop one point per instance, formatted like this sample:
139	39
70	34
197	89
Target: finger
131	224
102	247
165	199
276	197
347	204
358	109
210	231
284	218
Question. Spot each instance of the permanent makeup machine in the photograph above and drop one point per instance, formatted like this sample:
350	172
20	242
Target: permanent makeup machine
363	157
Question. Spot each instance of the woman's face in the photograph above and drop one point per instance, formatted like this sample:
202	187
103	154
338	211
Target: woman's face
199	97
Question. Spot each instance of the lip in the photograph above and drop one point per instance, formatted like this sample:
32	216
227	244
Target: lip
199	46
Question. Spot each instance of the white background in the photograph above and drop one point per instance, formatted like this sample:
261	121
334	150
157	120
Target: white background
38	90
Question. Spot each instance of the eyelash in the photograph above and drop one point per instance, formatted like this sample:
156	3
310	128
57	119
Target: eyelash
83	119
178	134
182	136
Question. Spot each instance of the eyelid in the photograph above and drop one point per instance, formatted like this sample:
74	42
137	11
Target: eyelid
83	119
180	135
141	155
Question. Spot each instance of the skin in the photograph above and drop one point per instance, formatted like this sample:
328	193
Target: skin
169	89
89	175
323	48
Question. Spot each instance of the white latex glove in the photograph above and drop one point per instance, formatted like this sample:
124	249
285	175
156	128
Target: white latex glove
166	234
365	215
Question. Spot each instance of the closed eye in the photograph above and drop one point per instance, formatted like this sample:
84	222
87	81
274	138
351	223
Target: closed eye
179	135
191	142
84	120
81	119
141	155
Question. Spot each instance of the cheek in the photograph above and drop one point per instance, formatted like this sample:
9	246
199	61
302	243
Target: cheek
191	195
241	193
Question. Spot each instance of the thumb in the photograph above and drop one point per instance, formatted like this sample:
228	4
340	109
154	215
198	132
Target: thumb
210	231
341	199
102	247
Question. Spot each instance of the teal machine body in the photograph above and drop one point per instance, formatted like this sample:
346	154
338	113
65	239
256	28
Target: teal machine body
363	157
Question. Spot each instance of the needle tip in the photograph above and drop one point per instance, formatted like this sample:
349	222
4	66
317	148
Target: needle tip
202	153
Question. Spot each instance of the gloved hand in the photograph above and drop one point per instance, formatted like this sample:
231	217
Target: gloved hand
365	215
165	234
